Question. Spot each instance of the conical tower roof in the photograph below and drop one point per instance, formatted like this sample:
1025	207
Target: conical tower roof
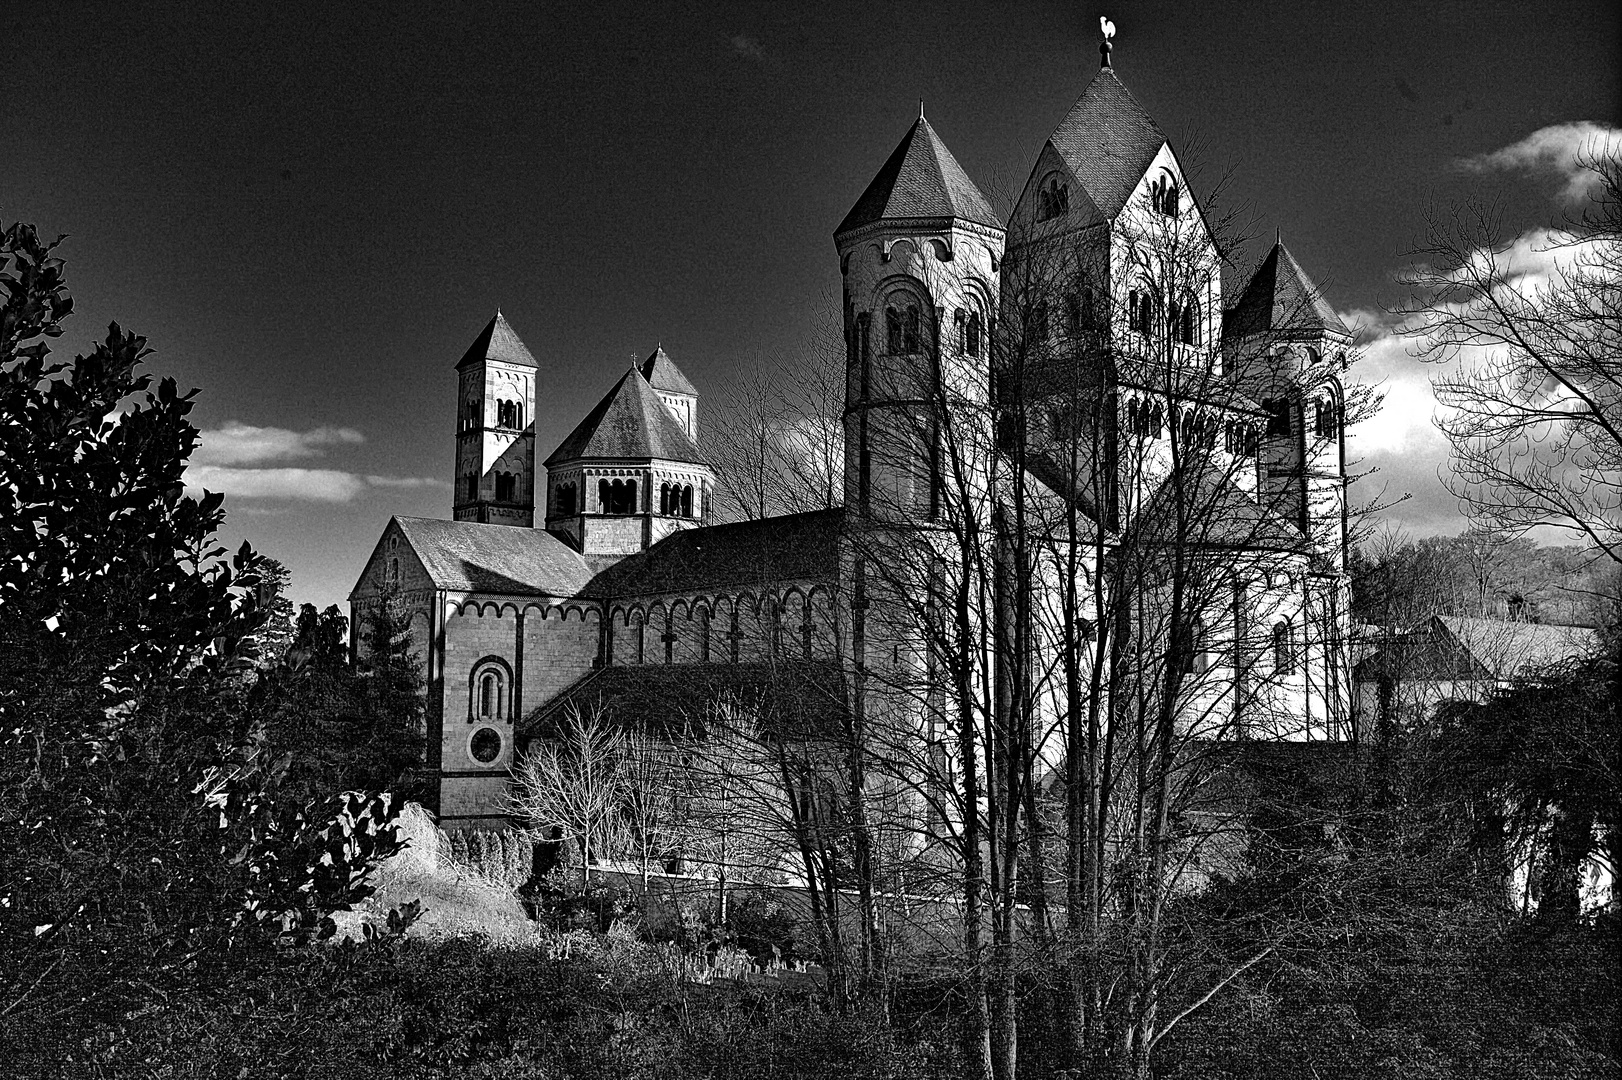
921	180
1280	297
663	374
1108	141
629	422
497	341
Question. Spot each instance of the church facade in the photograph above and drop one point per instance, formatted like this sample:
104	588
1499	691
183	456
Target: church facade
1063	418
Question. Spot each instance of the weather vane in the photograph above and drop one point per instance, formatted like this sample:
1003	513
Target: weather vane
1107	28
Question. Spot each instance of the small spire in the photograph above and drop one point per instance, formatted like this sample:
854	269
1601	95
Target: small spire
1107	28
1278	235
920	108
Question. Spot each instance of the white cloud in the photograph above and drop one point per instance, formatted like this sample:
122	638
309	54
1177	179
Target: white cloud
304	485
1557	150
236	443
407	482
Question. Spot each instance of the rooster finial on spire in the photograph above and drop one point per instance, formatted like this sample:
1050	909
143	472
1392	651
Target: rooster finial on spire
1107	28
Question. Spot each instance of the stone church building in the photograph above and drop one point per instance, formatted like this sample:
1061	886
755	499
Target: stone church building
600	571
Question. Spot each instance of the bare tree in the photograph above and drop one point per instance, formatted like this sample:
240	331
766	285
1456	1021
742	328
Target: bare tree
1532	329
573	786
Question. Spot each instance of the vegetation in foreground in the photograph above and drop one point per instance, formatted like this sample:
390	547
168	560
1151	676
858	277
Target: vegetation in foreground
173	860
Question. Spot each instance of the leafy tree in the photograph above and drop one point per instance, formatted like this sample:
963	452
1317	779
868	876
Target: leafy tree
125	635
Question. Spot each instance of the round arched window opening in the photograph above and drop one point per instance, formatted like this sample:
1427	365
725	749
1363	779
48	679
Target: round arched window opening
485	745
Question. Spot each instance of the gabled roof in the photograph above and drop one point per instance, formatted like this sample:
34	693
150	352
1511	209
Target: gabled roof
1108	141
497	341
1507	648
795	547
663	374
469	557
1217	513
1280	297
920	180
630	422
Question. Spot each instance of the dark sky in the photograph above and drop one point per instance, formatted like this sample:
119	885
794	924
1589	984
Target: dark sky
311	210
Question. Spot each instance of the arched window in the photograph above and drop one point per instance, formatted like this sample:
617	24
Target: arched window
488	685
972	335
509	414
506	488
1283	648
1324	418
1052	198
1156	418
1278	416
1039	321
1163	194
1184	325
1134	421
617	496
664	499
1141	311
687	500
892	331
565	500
911	331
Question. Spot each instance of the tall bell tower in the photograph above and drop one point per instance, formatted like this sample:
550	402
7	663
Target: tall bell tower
495	430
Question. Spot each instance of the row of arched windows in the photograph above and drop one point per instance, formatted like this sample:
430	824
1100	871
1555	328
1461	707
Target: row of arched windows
509	414
1196	429
969	331
1182	321
1163	194
506	487
616	497
1192	658
676	500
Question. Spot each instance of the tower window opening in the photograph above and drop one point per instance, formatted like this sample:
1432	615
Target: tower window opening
1157	417
616	496
1141	312
1283	648
911	330
1324	421
506	487
1164	196
1052	199
1278	417
509	414
1134	417
972	335
687	500
903	330
892	331
1184	325
1072	316
565	500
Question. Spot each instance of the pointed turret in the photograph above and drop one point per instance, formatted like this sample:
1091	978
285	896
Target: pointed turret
1281	299
495	430
497	341
628	474
679	395
921	181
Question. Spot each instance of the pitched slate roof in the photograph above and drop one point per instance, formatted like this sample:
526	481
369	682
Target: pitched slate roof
497	341
921	179
1217	512
468	556
1109	141
789	548
663	374
1507	648
1281	297
630	422
800	698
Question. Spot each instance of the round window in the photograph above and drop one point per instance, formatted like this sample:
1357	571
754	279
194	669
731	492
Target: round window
485	746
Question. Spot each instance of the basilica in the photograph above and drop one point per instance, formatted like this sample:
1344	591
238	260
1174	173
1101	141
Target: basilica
1071	429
